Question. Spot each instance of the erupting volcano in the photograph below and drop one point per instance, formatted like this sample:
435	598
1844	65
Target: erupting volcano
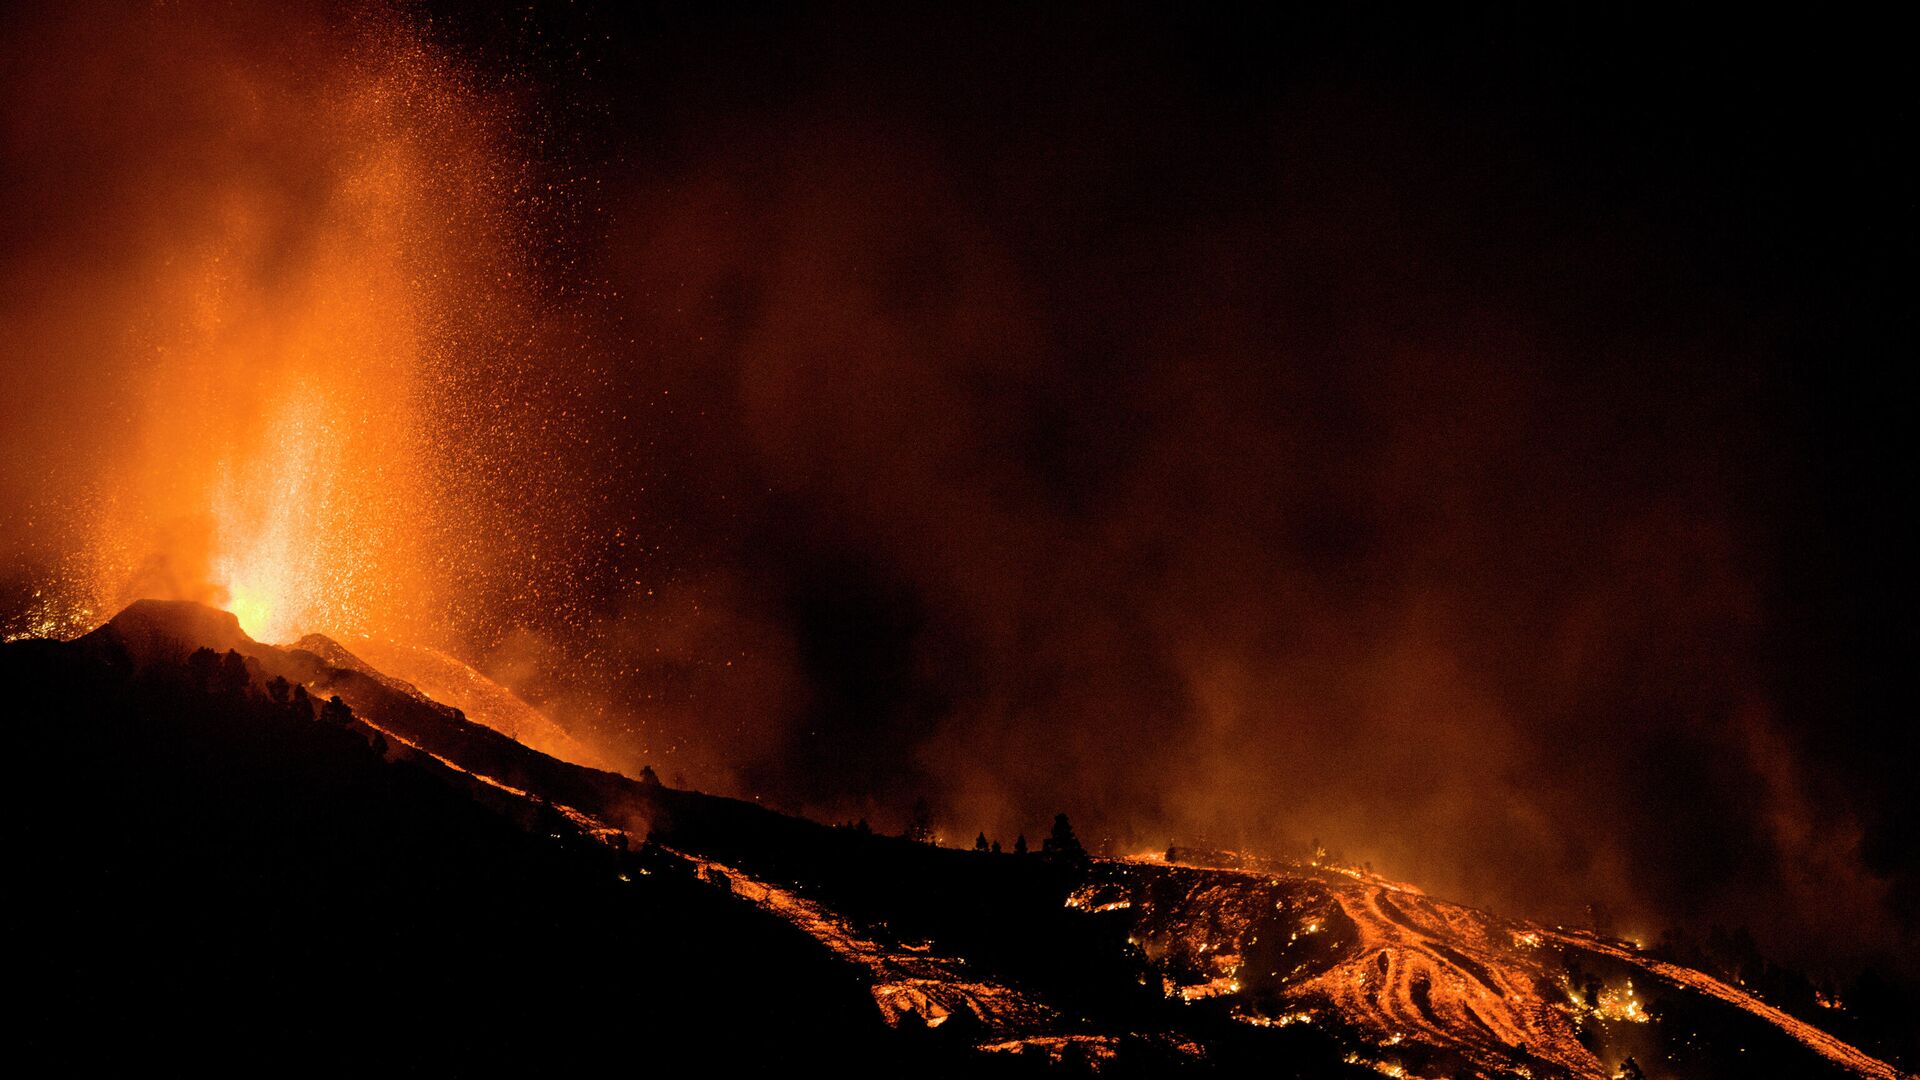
597	534
305	332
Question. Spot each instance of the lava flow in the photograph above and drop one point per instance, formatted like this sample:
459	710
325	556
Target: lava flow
1151	963
1416	981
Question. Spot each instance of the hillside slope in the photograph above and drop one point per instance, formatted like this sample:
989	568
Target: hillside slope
200	880
194	845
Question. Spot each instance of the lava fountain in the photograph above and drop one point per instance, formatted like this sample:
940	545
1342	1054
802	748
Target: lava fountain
301	244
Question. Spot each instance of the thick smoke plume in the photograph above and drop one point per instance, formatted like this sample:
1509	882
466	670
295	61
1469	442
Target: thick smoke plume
1335	467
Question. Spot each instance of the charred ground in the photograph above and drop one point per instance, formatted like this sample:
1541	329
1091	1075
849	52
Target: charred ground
213	865
203	878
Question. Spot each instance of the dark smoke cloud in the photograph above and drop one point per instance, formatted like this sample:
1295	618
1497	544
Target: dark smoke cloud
1243	456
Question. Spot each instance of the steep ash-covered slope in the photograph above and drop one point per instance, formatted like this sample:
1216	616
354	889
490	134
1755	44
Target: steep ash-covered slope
199	880
445	679
539	888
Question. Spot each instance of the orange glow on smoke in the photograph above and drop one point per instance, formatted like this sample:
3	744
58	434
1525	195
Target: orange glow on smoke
280	421
309	251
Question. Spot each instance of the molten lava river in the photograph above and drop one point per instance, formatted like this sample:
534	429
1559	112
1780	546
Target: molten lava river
1425	987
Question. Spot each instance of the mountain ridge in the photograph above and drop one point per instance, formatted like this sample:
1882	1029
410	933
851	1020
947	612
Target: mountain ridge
1118	964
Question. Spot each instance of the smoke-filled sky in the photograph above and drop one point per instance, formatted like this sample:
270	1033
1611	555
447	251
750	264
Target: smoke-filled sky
1465	444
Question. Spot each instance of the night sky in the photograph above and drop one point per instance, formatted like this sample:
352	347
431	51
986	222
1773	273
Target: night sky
1473	441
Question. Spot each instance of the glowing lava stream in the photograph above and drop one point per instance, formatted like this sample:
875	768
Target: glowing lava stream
1411	974
907	980
1819	1041
1414	969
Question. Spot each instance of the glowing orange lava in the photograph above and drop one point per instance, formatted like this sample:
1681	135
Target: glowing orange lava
309	254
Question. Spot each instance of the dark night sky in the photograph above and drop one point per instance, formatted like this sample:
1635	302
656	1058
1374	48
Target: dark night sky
1467	439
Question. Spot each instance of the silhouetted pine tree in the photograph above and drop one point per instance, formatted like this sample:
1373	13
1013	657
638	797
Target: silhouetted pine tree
336	712
232	679
202	668
1061	840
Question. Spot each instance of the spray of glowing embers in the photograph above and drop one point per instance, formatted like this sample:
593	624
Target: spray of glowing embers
1424	987
321	406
